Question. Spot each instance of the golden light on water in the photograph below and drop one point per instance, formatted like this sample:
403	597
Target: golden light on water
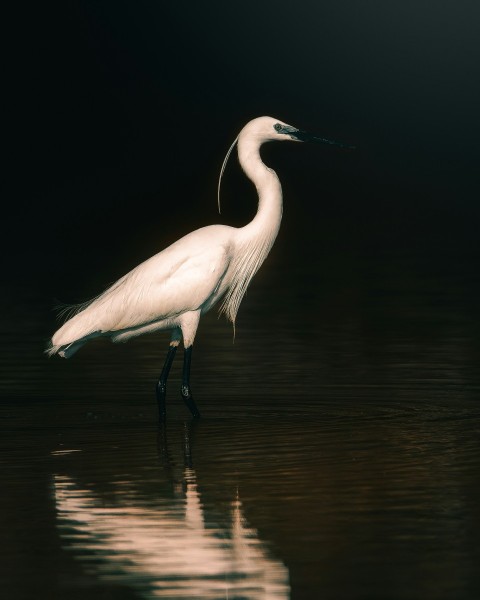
173	551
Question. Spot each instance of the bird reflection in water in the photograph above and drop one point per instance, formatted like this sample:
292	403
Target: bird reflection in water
175	550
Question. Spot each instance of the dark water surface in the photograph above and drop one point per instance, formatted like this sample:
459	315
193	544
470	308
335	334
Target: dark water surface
338	455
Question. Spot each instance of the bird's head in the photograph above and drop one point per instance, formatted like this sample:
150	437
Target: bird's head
268	129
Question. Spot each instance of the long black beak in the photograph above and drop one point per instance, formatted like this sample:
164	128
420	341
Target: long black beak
304	136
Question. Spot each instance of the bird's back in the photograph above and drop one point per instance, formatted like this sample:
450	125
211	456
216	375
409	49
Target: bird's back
181	278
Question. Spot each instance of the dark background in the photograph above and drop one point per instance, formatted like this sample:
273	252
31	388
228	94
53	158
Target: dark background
118	116
346	413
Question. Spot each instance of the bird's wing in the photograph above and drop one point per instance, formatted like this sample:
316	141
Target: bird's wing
181	278
166	285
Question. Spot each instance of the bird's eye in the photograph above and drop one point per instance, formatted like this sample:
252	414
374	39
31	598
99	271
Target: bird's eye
277	127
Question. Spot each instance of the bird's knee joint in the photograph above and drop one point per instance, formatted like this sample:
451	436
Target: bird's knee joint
186	392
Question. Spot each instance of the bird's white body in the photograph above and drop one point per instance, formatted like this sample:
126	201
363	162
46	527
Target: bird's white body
175	287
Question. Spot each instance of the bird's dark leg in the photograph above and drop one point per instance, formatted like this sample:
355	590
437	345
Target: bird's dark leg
162	383
186	391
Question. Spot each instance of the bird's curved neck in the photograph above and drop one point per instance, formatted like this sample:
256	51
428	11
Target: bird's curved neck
266	222
253	242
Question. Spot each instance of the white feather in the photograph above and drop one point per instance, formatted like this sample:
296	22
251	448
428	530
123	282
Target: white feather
173	288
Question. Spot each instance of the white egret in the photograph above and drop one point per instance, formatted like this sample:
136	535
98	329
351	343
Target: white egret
175	287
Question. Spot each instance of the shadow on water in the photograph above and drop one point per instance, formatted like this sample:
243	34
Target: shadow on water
382	499
165	544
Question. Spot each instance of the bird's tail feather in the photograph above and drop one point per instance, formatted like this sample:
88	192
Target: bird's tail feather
73	334
65	351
